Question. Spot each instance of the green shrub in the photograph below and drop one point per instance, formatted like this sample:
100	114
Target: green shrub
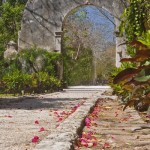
134	80
22	76
15	81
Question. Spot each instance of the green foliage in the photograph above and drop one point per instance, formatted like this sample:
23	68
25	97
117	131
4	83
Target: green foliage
18	82
22	74
134	81
145	39
34	58
135	19
118	89
15	81
78	71
77	57
2	62
10	21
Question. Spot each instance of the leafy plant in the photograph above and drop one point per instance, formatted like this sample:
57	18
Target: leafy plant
77	72
135	21
33	71
15	81
36	59
10	20
135	81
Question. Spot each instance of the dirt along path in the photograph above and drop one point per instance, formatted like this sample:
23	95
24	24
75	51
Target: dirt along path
108	127
25	122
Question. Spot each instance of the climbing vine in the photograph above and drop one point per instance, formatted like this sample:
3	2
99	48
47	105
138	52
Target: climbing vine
135	19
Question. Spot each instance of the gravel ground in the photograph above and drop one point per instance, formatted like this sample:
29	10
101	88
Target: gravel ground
17	118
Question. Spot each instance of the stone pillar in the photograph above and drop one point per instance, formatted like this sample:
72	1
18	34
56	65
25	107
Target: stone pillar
58	36
120	47
58	48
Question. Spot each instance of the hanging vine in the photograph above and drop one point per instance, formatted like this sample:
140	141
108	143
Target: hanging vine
135	19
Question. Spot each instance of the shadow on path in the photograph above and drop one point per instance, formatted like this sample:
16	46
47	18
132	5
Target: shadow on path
37	103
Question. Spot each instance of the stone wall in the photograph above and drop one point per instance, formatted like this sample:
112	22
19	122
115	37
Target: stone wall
43	21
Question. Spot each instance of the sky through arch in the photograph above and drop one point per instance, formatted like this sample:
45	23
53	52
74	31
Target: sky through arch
99	39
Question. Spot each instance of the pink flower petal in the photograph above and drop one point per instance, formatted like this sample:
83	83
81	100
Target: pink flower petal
87	121
106	145
84	144
41	129
8	116
36	122
94	143
35	139
59	120
55	112
148	116
63	113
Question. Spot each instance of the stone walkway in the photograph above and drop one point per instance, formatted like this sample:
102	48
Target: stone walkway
108	127
23	119
54	121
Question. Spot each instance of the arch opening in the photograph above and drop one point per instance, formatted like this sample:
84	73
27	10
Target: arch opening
88	45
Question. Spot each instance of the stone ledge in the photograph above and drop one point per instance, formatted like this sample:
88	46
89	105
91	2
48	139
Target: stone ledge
66	133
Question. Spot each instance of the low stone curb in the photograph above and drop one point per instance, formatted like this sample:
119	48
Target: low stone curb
66	133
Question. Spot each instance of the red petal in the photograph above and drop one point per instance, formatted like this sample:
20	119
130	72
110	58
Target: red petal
8	116
59	120
95	144
36	122
148	116
56	112
106	145
41	129
35	139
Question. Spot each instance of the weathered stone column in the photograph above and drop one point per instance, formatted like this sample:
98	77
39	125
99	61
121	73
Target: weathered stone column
58	39
120	49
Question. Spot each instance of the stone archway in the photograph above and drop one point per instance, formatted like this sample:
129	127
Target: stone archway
43	19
